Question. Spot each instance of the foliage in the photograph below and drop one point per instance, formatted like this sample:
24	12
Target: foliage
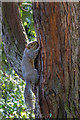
12	87
27	19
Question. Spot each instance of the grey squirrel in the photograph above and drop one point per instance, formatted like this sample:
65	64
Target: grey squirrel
29	72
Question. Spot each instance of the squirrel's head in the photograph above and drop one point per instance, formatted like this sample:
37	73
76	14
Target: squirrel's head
32	45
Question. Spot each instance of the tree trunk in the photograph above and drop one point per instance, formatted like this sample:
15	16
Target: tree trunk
58	30
14	35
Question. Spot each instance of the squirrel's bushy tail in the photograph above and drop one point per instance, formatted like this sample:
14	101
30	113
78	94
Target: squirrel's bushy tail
29	96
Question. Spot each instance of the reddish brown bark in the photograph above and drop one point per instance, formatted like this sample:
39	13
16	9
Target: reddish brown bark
54	23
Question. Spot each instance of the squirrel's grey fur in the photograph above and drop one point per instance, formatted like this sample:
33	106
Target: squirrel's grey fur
29	72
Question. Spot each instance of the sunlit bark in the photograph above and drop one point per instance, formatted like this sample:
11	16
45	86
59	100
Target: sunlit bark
14	36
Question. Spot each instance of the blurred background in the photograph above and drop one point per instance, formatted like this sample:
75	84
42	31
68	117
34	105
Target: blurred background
11	86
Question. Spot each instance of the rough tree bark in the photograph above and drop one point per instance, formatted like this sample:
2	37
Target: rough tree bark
58	31
58	28
14	35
